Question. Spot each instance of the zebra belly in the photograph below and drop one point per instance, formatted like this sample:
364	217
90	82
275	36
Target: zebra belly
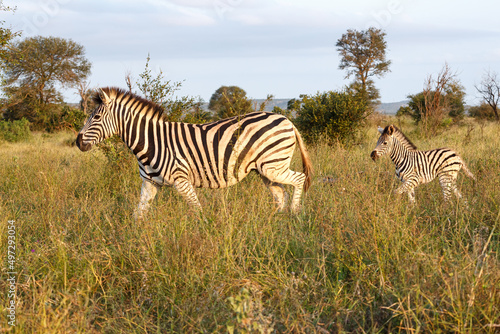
194	178
426	178
147	173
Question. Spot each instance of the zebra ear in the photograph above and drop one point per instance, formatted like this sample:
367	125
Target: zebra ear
381	130
104	97
390	130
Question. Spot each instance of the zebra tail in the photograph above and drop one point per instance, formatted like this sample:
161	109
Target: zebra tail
306	161
467	171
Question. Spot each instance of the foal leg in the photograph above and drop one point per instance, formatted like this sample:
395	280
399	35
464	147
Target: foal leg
408	186
411	195
447	182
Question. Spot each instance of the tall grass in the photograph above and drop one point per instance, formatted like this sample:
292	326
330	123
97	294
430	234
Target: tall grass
357	259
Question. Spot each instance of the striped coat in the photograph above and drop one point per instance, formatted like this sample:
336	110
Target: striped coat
414	167
186	156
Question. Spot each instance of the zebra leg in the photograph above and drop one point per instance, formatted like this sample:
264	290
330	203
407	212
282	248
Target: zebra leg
148	192
296	179
448	185
298	184
186	189
459	195
279	194
456	191
408	186
411	195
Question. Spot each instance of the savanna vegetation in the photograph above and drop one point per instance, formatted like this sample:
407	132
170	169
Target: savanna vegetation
356	259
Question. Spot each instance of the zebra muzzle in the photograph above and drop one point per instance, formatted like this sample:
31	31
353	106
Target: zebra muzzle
374	155
81	145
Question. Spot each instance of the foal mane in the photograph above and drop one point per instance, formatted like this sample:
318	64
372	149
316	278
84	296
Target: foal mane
401	137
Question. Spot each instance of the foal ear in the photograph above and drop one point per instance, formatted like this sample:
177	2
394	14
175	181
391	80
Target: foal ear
381	130
390	130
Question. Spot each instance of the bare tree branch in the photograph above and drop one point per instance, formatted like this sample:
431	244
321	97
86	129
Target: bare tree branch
489	89
436	106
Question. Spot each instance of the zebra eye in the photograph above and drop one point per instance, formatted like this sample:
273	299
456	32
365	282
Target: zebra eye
385	143
97	117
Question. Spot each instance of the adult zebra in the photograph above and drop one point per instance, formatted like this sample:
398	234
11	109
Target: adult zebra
211	155
414	167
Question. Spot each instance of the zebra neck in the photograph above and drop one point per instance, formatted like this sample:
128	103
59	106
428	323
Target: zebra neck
135	130
399	153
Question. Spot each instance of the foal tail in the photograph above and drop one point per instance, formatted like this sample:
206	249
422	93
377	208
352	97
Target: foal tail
306	161
467	171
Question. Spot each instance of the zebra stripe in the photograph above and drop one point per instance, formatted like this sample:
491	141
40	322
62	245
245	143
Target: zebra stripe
414	167
211	155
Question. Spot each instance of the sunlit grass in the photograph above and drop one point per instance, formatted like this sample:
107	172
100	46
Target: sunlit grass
357	258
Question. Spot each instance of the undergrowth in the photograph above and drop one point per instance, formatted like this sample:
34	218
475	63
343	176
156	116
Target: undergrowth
356	259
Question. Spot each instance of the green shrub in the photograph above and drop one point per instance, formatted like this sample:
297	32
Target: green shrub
72	118
15	131
117	153
63	117
335	116
47	117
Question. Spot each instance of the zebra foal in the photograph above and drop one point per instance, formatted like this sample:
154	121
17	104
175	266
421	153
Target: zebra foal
188	156
414	167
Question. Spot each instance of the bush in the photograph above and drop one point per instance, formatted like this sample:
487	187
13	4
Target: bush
47	117
15	131
72	118
117	153
482	111
336	116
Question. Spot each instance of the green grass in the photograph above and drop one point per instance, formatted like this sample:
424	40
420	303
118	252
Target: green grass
357	259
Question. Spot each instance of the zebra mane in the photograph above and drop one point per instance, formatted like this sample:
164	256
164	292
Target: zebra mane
120	94
401	137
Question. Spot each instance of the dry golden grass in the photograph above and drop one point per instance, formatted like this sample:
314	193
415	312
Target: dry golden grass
357	259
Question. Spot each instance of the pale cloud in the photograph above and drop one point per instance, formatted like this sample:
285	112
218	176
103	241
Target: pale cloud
290	43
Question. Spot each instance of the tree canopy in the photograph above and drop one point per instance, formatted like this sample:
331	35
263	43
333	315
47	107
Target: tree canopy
6	34
37	64
363	54
34	70
228	101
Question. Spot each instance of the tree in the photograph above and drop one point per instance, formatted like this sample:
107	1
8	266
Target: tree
363	54
438	96
441	97
36	64
490	91
197	114
263	105
228	101
161	91
455	94
35	68
6	34
85	94
334	116
482	111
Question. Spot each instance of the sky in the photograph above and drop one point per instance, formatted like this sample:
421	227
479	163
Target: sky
281	47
